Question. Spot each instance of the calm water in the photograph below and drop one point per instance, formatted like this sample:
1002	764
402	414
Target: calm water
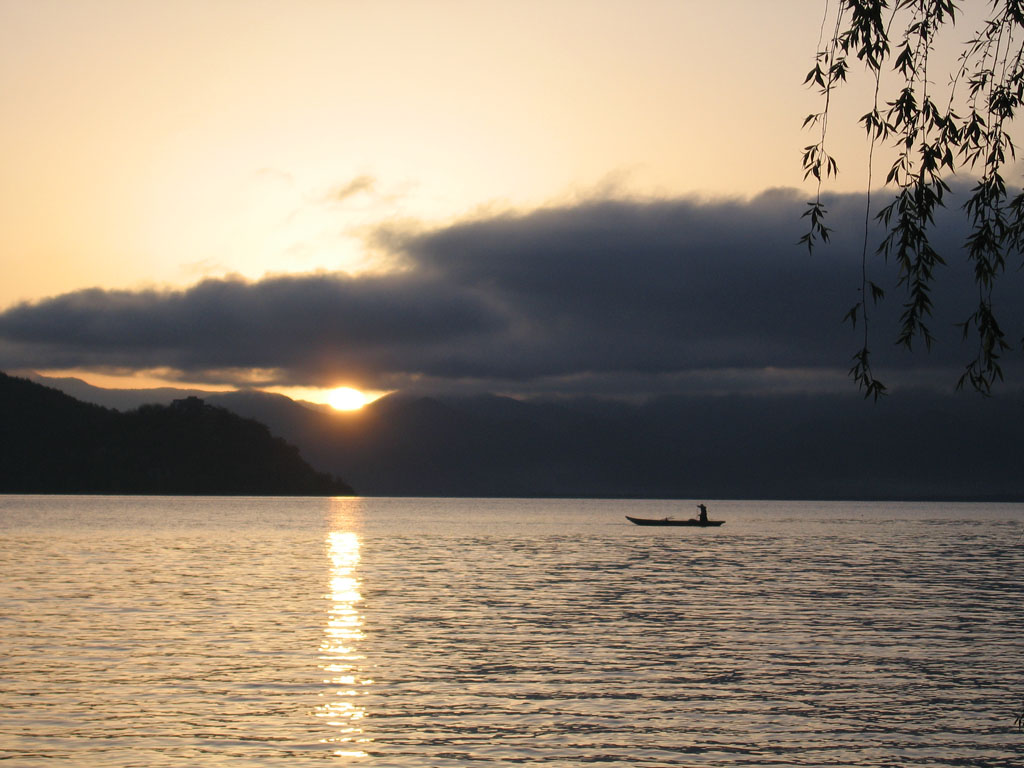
403	632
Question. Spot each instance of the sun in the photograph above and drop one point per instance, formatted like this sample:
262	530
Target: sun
346	399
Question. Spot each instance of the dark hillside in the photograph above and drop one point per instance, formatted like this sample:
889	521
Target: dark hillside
912	445
52	443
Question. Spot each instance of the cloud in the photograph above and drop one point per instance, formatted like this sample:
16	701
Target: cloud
605	296
307	327
354	187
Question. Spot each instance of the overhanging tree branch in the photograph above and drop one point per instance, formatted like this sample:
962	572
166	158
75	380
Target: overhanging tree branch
931	143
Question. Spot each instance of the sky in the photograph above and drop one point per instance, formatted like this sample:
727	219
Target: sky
561	197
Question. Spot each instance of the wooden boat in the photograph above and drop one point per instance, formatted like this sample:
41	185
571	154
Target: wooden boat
671	521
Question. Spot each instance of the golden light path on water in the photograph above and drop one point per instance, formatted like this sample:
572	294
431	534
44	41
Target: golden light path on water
339	651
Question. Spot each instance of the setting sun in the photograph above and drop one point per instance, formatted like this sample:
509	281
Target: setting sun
346	399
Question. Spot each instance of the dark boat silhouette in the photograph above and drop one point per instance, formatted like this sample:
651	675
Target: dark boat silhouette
670	521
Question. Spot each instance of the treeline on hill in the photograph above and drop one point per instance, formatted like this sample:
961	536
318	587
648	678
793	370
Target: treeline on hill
52	443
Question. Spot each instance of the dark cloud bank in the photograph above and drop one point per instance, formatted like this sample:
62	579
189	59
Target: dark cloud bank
724	336
602	298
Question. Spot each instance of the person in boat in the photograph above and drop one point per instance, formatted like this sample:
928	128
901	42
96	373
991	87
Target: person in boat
703	516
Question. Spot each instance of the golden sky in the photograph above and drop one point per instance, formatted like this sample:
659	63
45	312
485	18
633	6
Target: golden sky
153	144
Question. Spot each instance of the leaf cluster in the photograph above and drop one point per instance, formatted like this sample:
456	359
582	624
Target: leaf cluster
967	131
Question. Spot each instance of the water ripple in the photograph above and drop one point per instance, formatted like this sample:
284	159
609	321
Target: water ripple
466	633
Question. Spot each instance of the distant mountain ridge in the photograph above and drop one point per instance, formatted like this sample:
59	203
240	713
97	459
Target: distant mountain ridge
911	445
119	399
917	445
53	443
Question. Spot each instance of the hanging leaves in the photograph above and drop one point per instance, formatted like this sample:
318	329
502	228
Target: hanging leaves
931	141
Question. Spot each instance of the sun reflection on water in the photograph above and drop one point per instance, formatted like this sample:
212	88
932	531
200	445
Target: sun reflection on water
339	652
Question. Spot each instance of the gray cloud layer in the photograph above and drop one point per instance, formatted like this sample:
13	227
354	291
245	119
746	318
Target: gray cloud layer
603	296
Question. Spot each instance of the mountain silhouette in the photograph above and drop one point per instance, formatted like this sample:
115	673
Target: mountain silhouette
915	444
53	443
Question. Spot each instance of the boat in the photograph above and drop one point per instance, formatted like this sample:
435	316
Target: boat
672	521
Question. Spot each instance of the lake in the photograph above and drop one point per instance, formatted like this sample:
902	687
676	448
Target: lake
150	631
